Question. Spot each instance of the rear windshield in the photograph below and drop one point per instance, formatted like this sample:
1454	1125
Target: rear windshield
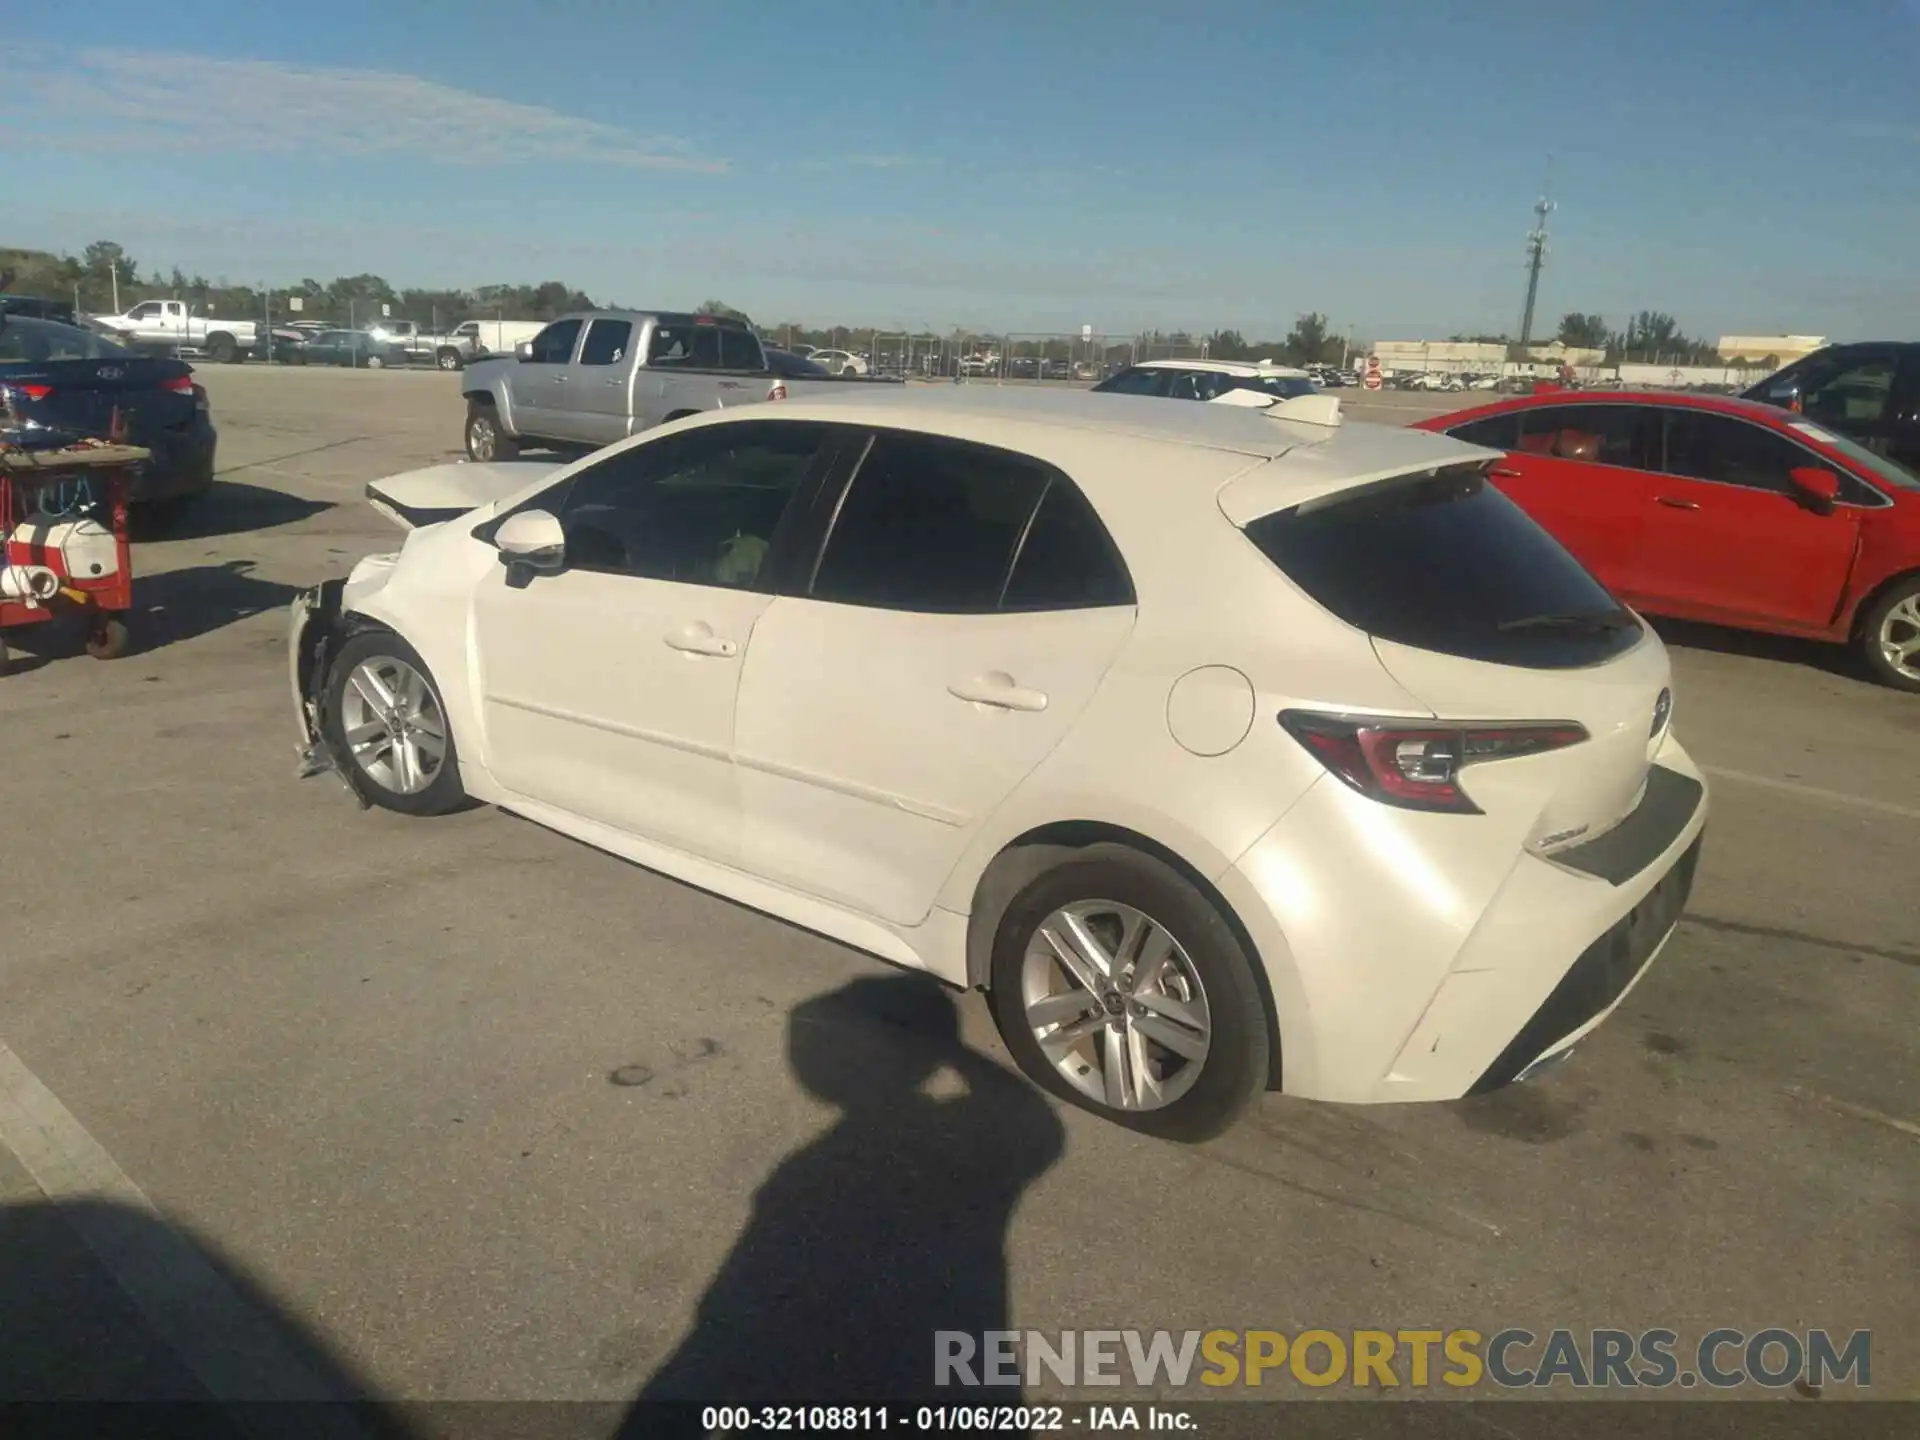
1443	561
24	340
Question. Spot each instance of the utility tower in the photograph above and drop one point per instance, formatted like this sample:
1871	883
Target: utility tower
1536	257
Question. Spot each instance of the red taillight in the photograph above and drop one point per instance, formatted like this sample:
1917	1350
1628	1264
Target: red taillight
35	392
179	384
1417	765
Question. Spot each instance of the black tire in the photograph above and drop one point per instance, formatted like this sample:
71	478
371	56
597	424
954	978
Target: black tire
448	359
484	421
108	638
443	793
221	349
1901	595
1234	1069
375	362
154	518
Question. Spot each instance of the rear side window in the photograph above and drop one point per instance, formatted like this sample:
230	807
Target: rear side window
1135	382
1067	561
1282	387
1496	432
929	524
1593	434
1443	561
739	351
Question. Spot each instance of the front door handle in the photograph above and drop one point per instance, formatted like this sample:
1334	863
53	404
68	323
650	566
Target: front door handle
612	384
699	639
1672	504
996	688
1503	472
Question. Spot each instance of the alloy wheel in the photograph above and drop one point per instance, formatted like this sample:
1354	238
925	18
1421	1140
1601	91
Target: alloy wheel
1116	1005
480	438
393	725
1900	637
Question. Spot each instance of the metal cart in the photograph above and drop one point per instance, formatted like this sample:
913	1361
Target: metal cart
63	538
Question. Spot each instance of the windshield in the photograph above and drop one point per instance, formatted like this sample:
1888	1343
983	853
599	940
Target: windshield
35	342
1880	467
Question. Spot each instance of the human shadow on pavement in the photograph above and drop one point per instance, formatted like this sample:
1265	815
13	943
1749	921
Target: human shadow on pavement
231	507
888	1227
174	1340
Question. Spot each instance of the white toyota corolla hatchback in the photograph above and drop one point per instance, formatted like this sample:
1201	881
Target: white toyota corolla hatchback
1225	749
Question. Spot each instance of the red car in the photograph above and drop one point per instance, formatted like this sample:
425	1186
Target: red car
1705	507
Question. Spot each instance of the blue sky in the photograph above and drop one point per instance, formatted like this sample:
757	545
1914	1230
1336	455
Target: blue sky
1748	167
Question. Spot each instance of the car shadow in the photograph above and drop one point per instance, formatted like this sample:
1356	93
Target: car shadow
888	1227
1758	645
173	1325
231	507
175	605
169	606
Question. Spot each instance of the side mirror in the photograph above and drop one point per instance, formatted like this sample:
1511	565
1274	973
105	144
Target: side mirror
524	350
1815	488
531	543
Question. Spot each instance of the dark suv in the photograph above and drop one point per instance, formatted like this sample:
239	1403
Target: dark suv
1869	392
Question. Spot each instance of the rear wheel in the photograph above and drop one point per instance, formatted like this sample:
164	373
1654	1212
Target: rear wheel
221	349
449	359
374	362
385	718
485	439
1118	986
108	637
1890	636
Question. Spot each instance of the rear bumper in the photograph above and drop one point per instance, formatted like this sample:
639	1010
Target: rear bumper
1411	959
182	463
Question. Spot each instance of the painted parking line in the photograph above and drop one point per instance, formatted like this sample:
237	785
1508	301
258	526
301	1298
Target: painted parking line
1814	792
230	1347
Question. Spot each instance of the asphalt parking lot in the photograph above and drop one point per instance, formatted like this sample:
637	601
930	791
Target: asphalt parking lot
470	1111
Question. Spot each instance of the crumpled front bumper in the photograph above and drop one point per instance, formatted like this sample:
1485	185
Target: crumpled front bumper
314	632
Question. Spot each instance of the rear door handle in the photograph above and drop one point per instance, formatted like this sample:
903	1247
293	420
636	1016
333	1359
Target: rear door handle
699	639
996	688
1673	504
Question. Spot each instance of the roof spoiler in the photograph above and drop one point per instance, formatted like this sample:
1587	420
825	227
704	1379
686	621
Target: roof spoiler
1323	410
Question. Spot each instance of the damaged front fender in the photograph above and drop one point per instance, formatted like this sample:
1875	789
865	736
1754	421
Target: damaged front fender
317	626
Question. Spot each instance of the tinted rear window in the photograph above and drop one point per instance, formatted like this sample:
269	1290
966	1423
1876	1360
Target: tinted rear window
1445	562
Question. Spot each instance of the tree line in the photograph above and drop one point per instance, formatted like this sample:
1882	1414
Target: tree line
92	279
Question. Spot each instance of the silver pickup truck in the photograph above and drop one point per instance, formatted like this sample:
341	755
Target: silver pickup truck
591	379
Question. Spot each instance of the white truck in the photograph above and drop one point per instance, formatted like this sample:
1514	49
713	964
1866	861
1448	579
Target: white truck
423	347
477	339
171	324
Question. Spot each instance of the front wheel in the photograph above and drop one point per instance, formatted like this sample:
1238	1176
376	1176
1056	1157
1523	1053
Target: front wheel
1118	986
485	439
1890	636
384	717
